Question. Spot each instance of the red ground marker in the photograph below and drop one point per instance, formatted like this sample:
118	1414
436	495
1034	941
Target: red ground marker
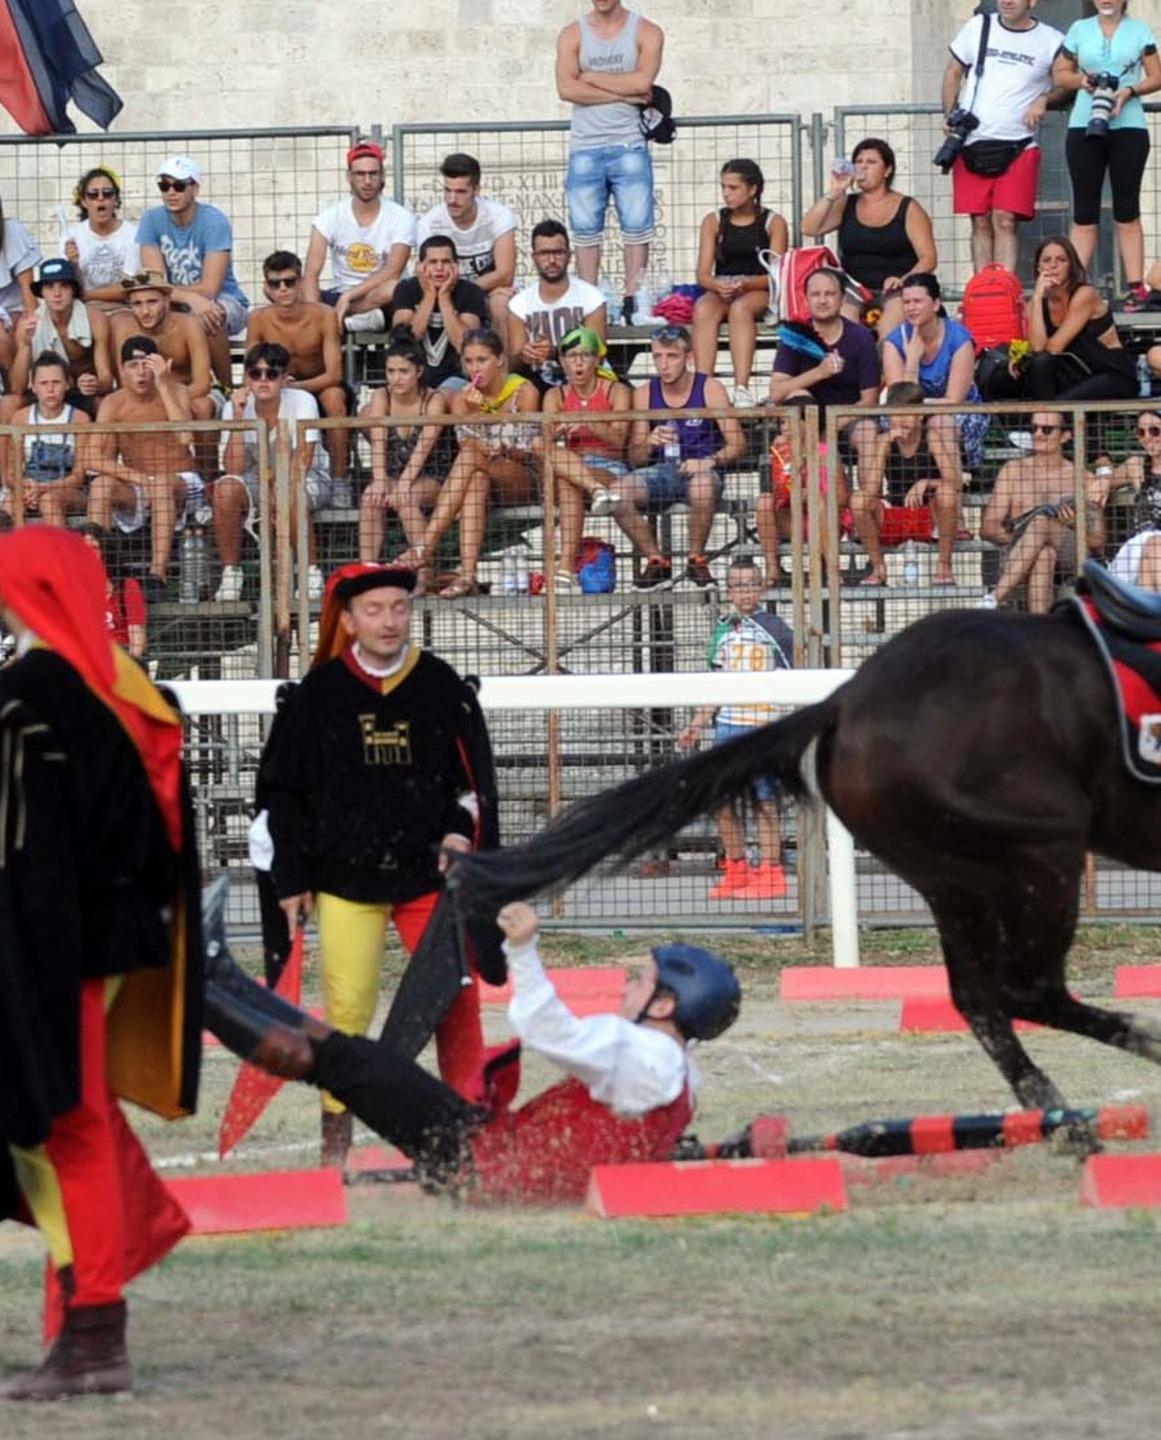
1118	1182
713	1187
1139	982
868	982
595	990
933	1015
271	1200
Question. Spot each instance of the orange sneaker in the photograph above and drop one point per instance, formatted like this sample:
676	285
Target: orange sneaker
733	882
765	882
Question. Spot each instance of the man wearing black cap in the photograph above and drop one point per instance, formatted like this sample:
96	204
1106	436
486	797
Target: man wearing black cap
380	767
64	324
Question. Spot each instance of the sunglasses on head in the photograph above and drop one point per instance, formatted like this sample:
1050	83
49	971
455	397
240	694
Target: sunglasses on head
107	193
670	332
1150	430
265	372
282	282
1045	429
180	186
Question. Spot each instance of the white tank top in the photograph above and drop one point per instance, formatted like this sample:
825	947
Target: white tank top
618	122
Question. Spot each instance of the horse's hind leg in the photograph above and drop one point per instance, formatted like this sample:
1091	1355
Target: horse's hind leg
1111	1027
973	948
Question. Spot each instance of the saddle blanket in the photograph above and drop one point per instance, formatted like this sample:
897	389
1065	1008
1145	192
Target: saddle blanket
1134	668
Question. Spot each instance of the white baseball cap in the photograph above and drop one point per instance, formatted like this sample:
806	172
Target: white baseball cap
181	167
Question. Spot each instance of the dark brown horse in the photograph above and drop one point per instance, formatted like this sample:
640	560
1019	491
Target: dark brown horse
978	756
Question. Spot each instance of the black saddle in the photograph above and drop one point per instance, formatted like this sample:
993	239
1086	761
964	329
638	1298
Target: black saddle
1128	609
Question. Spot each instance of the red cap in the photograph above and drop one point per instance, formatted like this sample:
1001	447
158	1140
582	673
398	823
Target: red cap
362	149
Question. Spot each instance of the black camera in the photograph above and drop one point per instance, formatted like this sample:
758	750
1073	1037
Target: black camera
960	124
1104	93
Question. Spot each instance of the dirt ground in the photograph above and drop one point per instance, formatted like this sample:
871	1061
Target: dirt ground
975	1306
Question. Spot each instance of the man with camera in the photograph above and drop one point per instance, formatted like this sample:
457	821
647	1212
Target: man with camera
996	89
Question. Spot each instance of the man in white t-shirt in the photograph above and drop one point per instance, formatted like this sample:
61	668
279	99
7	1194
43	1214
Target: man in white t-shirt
369	240
542	314
994	178
267	395
484	232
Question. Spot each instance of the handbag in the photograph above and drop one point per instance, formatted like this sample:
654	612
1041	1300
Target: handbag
989	158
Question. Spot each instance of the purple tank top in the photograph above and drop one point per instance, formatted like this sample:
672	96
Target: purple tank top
699	439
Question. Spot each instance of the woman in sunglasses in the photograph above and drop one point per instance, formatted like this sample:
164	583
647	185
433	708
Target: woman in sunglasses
494	459
588	458
101	245
1139	559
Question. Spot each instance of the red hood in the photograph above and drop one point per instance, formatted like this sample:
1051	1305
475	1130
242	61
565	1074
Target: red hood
55	583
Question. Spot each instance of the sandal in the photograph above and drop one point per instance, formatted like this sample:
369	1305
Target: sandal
458	588
871	581
565	583
604	501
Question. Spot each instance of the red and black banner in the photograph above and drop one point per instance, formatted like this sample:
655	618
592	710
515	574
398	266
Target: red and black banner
47	59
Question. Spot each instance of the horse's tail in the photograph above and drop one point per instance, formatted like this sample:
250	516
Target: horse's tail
643	813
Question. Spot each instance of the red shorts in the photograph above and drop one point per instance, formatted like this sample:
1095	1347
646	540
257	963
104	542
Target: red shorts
901	522
1014	190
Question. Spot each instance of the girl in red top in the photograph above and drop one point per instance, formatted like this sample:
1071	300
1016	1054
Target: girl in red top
125	611
588	460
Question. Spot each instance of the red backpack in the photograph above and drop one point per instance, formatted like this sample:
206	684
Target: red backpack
788	276
993	308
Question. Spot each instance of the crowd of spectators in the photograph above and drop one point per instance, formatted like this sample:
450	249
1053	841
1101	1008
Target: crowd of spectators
136	322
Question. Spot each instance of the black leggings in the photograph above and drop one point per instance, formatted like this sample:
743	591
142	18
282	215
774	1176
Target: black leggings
1123	154
401	1101
1060	377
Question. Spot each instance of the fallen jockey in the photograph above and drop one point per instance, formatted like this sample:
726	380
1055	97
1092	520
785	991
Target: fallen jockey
629	1092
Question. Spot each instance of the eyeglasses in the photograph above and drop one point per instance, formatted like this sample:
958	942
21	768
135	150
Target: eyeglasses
265	372
282	282
180	186
1151	430
106	194
1045	429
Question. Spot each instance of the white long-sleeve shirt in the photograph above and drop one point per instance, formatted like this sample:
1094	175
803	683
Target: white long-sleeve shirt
630	1068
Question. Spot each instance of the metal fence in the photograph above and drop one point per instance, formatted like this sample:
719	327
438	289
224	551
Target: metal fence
270	183
524	166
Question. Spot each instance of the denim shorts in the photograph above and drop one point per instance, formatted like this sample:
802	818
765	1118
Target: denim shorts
665	485
764	790
624	172
606	465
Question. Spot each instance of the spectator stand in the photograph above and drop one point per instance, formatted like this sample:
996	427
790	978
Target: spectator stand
269	182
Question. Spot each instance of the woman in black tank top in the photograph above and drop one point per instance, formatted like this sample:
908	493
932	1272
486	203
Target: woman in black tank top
1076	351
729	271
882	235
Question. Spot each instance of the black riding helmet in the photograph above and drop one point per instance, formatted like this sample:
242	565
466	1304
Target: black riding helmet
706	989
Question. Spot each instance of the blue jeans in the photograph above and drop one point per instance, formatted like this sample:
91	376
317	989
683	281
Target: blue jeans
624	172
665	485
765	790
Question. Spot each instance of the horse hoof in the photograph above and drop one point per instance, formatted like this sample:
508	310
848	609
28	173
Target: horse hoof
1076	1141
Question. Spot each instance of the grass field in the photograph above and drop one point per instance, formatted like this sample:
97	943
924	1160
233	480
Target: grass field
977	1306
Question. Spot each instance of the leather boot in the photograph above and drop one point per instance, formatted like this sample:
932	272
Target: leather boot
88	1358
336	1138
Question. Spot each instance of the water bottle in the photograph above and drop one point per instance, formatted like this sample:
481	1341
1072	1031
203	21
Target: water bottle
508	572
664	285
612	307
194	565
1144	378
644	312
522	581
910	563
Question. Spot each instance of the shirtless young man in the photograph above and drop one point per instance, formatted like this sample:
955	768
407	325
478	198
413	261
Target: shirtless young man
77	332
309	332
144	476
181	340
1032	513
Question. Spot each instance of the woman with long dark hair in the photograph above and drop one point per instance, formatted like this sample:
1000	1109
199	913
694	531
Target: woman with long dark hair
731	274
102	244
1076	351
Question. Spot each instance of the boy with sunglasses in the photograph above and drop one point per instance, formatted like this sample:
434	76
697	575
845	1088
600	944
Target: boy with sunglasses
309	331
191	244
268	396
1032	514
